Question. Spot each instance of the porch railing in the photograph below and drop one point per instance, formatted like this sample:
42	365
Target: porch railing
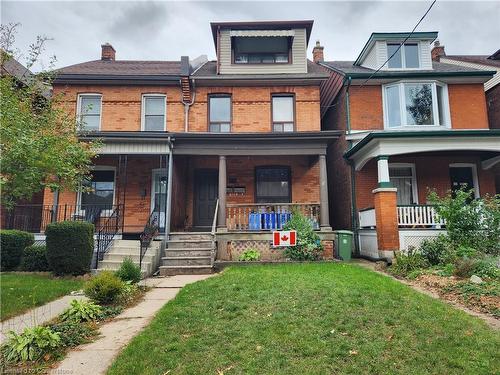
149	233
214	227
267	216
106	233
35	217
415	216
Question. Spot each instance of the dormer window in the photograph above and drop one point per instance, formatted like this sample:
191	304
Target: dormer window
407	57
261	50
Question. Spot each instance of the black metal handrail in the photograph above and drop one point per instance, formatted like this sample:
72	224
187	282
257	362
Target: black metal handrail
106	234
35	217
151	230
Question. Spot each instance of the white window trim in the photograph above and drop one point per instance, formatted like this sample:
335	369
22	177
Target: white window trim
413	177
402	105
81	212
154	172
475	179
79	108
403	57
143	110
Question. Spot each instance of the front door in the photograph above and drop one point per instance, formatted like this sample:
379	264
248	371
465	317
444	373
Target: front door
205	196
462	177
159	196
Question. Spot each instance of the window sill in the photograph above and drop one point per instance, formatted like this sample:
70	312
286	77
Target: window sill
417	128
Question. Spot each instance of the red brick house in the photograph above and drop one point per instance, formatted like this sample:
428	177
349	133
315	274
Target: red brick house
214	153
412	125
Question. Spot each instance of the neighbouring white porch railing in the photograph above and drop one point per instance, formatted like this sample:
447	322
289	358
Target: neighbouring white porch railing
367	218
418	216
267	216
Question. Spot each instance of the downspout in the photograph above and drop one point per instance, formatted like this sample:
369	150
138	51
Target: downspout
354	221
168	212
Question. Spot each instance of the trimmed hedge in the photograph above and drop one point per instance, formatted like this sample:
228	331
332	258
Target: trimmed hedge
70	245
35	259
13	243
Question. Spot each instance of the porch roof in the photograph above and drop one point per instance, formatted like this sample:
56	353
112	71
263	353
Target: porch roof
390	143
296	143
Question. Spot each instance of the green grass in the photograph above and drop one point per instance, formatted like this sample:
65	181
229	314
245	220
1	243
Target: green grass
23	291
309	319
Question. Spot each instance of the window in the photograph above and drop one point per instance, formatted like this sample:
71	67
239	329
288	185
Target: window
406	57
101	190
402	176
283	113
219	113
416	104
272	185
153	112
261	50
89	111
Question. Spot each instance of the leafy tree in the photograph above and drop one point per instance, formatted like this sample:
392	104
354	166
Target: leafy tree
39	143
420	108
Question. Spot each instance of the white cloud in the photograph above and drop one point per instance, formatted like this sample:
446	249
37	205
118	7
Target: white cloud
167	30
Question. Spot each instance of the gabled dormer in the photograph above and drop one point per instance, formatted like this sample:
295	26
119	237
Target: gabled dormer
270	47
414	54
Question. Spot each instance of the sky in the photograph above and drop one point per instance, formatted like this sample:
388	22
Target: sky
166	30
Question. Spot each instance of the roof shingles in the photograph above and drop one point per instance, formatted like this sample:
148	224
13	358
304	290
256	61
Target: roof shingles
123	68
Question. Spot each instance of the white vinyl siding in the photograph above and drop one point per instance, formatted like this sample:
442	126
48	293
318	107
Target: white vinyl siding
489	84
378	55
297	65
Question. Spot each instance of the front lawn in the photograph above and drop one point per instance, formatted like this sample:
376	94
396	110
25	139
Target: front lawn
23	291
324	318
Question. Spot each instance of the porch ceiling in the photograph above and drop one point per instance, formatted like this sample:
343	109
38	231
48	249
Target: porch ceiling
297	143
400	143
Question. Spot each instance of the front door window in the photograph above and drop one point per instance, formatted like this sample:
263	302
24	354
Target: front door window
159	197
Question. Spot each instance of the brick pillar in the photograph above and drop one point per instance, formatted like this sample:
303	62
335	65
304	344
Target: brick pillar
387	221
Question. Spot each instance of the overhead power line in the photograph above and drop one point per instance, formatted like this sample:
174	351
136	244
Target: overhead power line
390	57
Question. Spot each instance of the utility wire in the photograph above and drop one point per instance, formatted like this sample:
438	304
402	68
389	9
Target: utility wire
394	53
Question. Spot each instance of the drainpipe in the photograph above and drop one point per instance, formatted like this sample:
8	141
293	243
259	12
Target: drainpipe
168	212
354	221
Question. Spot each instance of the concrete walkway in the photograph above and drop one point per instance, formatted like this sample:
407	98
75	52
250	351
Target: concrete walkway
96	357
37	316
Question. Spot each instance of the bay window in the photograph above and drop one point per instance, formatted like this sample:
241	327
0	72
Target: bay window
416	104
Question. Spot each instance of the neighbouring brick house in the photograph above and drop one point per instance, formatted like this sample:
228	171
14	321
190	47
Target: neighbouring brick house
182	140
413	125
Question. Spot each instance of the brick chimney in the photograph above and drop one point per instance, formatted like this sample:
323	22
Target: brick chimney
107	52
437	51
318	53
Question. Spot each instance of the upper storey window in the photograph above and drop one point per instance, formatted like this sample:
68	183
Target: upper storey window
153	112
261	50
283	108
407	57
219	113
416	104
89	111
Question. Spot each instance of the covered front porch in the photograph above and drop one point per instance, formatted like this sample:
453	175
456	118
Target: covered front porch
396	171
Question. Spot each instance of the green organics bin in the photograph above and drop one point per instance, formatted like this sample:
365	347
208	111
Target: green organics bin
343	244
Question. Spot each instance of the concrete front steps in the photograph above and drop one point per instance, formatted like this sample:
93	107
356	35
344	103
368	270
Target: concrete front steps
187	254
122	249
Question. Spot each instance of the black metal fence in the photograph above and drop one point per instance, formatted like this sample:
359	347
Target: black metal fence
35	217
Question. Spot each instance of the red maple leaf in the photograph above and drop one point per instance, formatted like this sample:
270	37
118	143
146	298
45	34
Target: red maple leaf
284	238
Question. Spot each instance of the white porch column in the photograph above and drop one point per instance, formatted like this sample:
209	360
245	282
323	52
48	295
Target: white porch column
383	172
221	218
324	219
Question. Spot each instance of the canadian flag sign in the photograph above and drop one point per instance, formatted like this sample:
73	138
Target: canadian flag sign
284	238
